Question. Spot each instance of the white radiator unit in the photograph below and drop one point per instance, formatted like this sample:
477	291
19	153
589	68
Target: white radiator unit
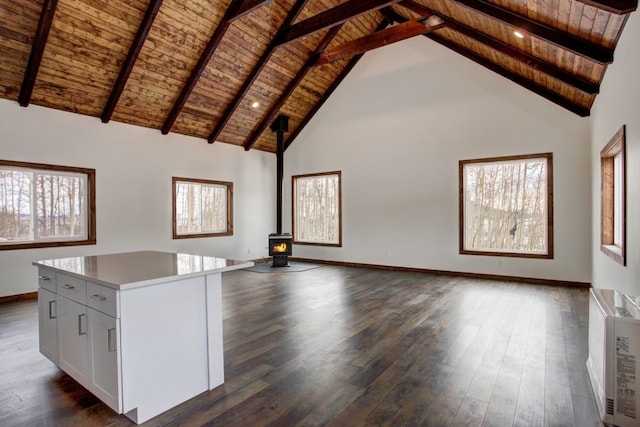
614	352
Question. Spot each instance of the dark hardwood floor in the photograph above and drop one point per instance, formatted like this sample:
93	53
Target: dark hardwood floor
350	347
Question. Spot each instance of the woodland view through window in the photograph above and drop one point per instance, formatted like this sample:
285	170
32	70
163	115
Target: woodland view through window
613	198
317	209
202	208
506	206
46	205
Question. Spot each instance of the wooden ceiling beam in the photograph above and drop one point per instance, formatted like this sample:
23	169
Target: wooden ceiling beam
508	50
293	84
378	39
262	62
236	10
577	45
516	78
619	7
345	71
37	50
331	17
129	62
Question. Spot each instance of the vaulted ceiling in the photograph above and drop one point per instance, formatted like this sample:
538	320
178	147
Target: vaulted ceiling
222	70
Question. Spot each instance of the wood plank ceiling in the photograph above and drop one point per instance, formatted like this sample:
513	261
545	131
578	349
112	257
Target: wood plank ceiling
197	67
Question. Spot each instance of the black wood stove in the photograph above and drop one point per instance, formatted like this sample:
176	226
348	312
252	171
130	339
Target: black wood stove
280	244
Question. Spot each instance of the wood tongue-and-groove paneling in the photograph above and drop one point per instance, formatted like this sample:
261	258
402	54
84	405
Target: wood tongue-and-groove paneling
313	86
82	56
238	53
19	20
176	40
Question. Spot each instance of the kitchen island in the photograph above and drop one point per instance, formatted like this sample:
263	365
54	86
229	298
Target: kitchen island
140	330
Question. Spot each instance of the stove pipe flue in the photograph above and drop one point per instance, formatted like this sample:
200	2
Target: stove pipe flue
280	125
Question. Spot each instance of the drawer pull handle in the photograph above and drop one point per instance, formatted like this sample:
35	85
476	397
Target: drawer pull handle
81	330
68	286
111	340
52	309
44	277
98	297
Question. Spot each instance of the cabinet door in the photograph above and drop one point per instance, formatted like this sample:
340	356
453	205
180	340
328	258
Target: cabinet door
104	358
72	339
47	324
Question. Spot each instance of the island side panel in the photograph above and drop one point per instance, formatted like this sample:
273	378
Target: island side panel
164	346
215	331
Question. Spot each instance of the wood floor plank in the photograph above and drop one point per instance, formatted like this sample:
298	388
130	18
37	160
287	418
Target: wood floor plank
340	346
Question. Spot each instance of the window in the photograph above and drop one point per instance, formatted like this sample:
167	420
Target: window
202	208
317	209
506	206
613	199
46	205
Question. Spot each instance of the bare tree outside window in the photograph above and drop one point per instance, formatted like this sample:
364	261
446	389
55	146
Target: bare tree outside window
202	208
45	205
317	209
506	206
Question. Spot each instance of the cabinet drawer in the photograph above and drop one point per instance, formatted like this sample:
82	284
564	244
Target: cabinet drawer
71	287
47	279
103	299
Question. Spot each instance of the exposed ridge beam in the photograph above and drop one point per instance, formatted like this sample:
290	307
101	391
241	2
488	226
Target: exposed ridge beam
516	78
337	15
262	62
345	71
37	50
236	10
516	54
619	7
293	84
577	45
132	56
402	31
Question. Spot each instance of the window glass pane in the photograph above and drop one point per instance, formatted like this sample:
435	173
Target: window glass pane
317	209
60	206
505	206
39	207
201	208
617	199
15	205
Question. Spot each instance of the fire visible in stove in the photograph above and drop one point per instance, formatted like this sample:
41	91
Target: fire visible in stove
280	249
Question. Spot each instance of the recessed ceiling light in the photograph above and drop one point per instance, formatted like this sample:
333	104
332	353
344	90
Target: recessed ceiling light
255	104
518	34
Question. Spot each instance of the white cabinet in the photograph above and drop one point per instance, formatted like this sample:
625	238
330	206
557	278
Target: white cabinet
47	319
72	340
104	358
141	330
79	333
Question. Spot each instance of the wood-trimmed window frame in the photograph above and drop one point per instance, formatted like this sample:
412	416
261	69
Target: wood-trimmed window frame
294	179
91	237
229	211
549	211
616	146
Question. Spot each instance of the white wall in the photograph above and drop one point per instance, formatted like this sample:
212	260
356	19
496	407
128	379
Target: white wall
618	104
134	166
397	127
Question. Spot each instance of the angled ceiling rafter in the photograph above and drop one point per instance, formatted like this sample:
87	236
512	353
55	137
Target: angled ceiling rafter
345	71
619	7
515	53
585	48
236	10
132	56
327	19
387	36
262	62
516	78
275	108
37	50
